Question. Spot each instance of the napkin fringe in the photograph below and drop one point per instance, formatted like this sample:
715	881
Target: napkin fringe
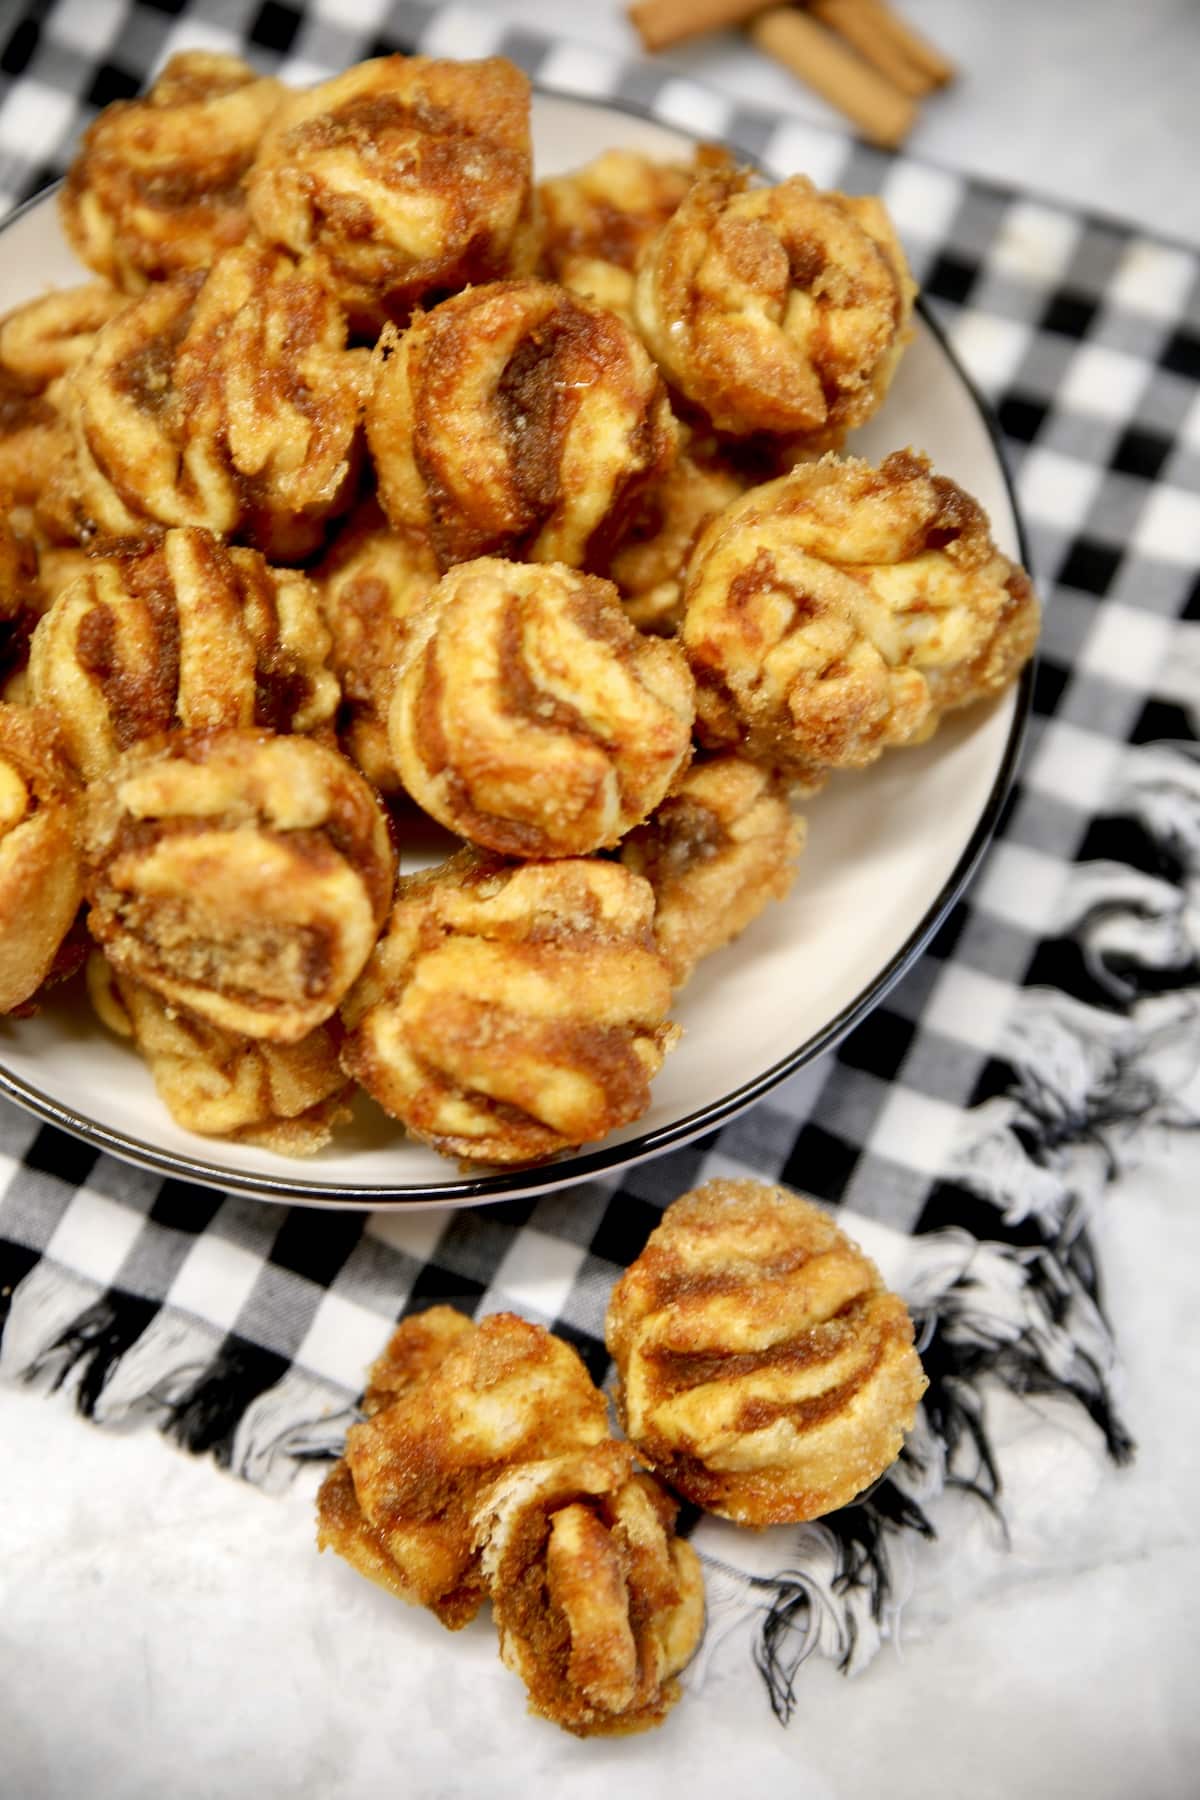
124	1360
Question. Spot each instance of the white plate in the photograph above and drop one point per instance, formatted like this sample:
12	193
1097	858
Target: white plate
889	851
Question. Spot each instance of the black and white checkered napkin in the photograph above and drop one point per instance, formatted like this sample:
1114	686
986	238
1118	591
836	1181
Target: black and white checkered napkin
968	1124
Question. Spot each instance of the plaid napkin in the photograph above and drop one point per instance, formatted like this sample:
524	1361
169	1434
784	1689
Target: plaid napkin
968	1127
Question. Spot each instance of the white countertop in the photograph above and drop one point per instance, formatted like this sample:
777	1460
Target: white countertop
164	1629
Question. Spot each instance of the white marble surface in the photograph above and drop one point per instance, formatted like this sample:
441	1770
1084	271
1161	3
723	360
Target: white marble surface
165	1630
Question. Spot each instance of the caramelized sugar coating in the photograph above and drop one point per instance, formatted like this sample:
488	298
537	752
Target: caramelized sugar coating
159	182
22	602
519	420
650	564
414	1352
287	1097
776	309
513	1012
188	634
765	1371
402	177
226	400
452	1407
41	881
240	875
843	609
531	717
372	583
596	219
40	343
720	848
598	1604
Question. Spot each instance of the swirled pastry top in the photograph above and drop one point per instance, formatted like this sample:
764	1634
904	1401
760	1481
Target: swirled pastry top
595	219
776	309
517	419
40	343
765	1371
188	634
240	875
649	565
530	716
844	608
451	1404
158	184
513	1012
287	1097
372	583
225	399
404	176
41	880
598	1604
720	848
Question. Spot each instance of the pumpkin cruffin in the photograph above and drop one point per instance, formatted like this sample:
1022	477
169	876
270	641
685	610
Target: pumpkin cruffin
530	716
512	1011
483	1470
764	1370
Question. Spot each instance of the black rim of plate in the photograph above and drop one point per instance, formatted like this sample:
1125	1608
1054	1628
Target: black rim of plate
607	1158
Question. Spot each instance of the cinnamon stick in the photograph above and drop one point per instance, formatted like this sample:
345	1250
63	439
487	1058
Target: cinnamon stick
858	22
873	103
918	51
661	23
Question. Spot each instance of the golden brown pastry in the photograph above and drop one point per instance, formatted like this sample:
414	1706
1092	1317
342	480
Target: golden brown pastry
41	881
650	564
597	1603
188	634
240	875
453	1405
402	177
517	419
596	219
720	847
530	716
40	343
22	601
158	184
225	399
776	309
286	1097
513	1012
844	608
765	1371
414	1352
372	583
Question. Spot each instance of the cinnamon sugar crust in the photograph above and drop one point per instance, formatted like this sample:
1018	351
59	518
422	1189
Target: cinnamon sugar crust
41	878
403	177
509	1013
776	309
239	875
530	716
517	419
158	185
598	1604
452	1405
719	849
766	1372
843	609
